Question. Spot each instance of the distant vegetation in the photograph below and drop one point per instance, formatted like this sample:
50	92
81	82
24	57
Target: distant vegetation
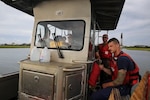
143	48
24	45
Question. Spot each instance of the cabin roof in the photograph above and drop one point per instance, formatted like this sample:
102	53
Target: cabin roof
106	12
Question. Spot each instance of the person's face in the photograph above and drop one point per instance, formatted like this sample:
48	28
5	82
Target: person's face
105	38
112	47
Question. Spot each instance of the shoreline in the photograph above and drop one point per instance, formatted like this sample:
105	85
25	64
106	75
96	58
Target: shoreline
28	46
14	46
138	48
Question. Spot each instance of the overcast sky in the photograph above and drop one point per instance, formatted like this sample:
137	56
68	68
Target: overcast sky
134	23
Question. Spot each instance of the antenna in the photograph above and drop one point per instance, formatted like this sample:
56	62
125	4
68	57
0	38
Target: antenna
121	39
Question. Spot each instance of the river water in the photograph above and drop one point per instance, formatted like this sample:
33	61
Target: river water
9	59
142	58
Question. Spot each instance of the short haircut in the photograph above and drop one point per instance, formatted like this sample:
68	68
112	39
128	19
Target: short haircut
116	41
105	35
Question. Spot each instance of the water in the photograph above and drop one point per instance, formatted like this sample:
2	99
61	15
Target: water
10	58
142	58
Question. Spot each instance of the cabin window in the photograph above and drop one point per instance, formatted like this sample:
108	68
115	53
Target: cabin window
67	35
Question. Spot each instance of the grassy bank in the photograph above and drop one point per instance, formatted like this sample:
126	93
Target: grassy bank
14	46
138	48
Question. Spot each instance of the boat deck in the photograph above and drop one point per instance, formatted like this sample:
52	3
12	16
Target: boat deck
9	87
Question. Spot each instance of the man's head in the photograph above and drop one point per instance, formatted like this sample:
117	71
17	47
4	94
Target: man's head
114	45
105	38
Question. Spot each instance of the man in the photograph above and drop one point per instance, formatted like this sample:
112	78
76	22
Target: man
103	55
125	73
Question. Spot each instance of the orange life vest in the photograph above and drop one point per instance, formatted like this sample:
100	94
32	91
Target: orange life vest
131	76
104	52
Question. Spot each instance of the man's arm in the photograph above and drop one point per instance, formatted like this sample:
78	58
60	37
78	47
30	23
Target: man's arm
120	78
106	70
118	81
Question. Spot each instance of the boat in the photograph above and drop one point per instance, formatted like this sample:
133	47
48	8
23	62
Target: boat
67	29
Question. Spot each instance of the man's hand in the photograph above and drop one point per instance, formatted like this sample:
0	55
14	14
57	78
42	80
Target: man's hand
92	88
98	61
106	70
101	67
105	85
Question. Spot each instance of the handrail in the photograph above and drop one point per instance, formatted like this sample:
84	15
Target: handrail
73	69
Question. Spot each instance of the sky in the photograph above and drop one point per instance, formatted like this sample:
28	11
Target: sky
134	24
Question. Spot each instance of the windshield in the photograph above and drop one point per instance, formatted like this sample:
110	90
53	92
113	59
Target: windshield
68	35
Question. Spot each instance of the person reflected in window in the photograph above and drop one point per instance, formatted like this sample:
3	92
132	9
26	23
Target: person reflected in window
41	42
